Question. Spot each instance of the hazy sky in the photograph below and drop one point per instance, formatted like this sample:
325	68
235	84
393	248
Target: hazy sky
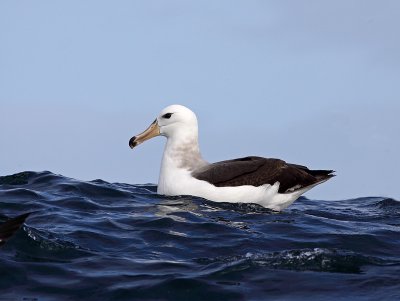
311	82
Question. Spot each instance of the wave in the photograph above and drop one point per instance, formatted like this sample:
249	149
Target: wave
116	240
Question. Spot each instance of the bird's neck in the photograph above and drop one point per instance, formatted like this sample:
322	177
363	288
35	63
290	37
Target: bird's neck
181	156
183	152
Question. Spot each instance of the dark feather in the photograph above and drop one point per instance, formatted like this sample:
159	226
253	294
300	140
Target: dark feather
257	171
8	228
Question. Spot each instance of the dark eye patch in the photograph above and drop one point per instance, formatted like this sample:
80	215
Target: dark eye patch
167	115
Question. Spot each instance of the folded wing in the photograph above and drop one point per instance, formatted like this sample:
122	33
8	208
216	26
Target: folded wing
257	171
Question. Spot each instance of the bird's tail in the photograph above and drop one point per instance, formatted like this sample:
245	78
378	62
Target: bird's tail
321	175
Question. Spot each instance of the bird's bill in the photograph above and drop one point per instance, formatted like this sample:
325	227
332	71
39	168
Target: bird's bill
152	131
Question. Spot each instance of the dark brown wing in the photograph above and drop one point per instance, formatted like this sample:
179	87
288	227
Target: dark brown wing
8	228
257	171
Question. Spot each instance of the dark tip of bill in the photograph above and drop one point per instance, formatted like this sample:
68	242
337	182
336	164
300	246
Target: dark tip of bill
132	142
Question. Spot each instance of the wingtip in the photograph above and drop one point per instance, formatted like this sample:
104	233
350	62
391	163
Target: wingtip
9	227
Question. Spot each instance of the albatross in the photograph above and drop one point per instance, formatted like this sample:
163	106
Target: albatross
271	183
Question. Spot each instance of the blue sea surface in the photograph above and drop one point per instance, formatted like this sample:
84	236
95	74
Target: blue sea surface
111	241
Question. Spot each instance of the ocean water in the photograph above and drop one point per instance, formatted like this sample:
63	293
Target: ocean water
112	241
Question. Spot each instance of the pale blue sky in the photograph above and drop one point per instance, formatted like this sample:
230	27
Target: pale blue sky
311	82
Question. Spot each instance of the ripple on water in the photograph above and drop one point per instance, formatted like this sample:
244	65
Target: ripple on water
114	241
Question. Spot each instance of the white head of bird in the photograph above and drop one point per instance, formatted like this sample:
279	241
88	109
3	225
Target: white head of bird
175	122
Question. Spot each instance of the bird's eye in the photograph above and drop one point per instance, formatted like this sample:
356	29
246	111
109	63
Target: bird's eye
167	115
